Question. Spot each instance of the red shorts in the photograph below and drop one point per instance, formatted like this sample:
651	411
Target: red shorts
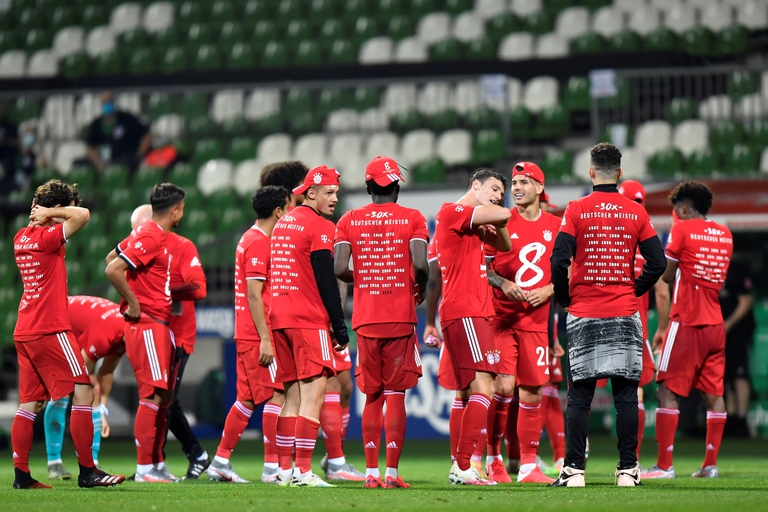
649	367
524	354
555	370
303	353
49	367
445	376
254	382
150	349
470	342
693	357
342	361
387	363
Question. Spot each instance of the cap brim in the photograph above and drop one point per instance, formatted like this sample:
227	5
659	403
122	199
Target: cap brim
301	189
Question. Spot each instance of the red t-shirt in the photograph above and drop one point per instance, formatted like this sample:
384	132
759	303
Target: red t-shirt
431	251
98	325
527	264
40	255
466	292
703	250
380	236
251	262
608	228
644	301
296	302
185	268
149	273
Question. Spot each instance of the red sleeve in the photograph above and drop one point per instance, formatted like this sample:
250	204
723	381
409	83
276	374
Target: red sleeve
568	225
490	251
431	251
142	249
420	230
195	284
322	236
646	229
122	245
257	260
342	236
675	241
458	217
52	239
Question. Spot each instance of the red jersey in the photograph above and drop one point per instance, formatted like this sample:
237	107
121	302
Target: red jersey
296	301
149	273
98	325
251	262
644	301
702	250
380	236
431	251
527	264
40	255
608	228
466	292
185	269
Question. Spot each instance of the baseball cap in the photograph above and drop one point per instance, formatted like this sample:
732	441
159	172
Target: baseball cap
544	198
383	170
528	169
632	189
318	176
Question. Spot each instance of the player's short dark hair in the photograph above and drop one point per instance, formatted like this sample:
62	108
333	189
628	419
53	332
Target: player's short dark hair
377	190
56	192
484	174
267	198
605	158
695	194
165	196
288	175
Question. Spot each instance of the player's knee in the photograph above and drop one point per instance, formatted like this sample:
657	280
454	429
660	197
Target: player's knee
83	395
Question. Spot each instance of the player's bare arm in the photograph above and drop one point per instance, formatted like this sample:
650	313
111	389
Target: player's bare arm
111	256
492	219
116	273
106	377
75	217
669	274
342	252
432	335
420	266
510	288
259	317
539	296
661	290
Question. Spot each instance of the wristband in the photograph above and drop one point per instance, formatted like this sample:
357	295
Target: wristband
104	410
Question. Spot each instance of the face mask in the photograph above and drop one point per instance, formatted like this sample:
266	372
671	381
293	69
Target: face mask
29	140
107	108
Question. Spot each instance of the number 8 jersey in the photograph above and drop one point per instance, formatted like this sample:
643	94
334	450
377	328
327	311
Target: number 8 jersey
527	264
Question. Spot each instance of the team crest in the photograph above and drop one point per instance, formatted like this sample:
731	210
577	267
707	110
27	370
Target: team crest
317	178
493	357
548	235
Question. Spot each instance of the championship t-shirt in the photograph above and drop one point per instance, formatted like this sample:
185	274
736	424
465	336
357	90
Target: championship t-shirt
40	255
527	265
608	228
379	236
98	325
466	292
702	250
296	301
251	262
149	274
185	268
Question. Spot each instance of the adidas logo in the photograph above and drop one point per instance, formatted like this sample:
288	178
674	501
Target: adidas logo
671	448
15	455
137	442
546	372
514	236
710	447
392	445
370	444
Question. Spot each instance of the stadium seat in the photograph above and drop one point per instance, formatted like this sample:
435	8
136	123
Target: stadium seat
429	171
148	177
141	62
241	56
377	50
381	144
698	41
175	60
576	94
716	16
490	8
454	147
716	108
214	175
434	97
13	64
691	136
406	121
732	41
43	64
68	40
373	120
468	26
246	177
552	122
520	121
158	16
489	147
557	164
183	175
231	219
589	43
680	109
84	176
363	29
661	39
652	137
416	146
539	23
274	55
625	41
125	17
262	103
343	120
411	49
524	8
107	64
607	21
400	27
724	135
434	27
311	149
741	159
540	93
114	177
633	164
399	98
499	26
516	46
205	150
207	58
274	148
100	41
514	93
345	154
67	153
297	31
483	118
753	14
552	46
680	18
572	22
265	30
757	136
188	13
667	163
94	15
75	65
199	34
643	19
343	51
764	161
448	49
702	163
167	128
227	104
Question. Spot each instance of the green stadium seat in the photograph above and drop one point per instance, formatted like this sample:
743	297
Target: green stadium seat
222	199
449	49
539	23
30	19
83	175
702	162
454	7
222	11
158	104
19	222
405	122
8	295
141	62
107	63
76	276
140	195
120	226
364	28
419	8
147	177
589	43
265	31
354	9
231	219
96	251
308	54
274	55
62	17
175	60
37	39
169	36
742	159
625	41
576	94
193	104
75	65
661	39
234	127
206	149
623	97
388	9
667	163
480	49
242	56
297	101
330	30
343	51
297	31
208	248
303	123
698	41
42	176
724	135
256	10
557	164
193	199
483	118
520	122
269	124
594	5
189	13
288	10
742	83
551	122
332	98
201	126
93	16
24	108
118	199
489	147
680	109
430	171
242	148
130	41
732	41
196	222
199	34
757	135
442	121
207	58
8	40
400	27
231	33
183	175
502	25
322	9
114	178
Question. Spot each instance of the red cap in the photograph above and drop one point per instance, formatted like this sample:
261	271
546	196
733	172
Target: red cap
544	198
530	170
633	190
383	170
318	176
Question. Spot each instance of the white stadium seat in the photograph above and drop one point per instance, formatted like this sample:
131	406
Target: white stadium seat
129	102
399	98
343	120
262	103
540	93
607	21
100	40
633	164
525	7
246	177
377	50
67	153
644	20
87	108
581	165
311	149
468	96
125	17
552	46
214	175
274	148
454	147
488	9
59	117
468	26
411	49
666	5
628	6
227	104
753	14
374	120
681	18
716	16
435	97
572	22
434	27
653	136
751	107
764	161
381	144
345	147
43	64
690	136
13	64
417	146
68	40
158	16
167	128
716	108
516	46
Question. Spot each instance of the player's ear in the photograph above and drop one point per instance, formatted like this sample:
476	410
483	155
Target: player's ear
591	173
621	172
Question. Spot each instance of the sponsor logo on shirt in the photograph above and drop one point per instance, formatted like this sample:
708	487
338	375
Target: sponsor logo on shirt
548	235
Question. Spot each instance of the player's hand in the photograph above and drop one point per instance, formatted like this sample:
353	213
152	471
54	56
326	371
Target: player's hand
658	340
39	215
513	291
432	336
538	296
104	426
132	313
266	354
558	349
418	297
342	340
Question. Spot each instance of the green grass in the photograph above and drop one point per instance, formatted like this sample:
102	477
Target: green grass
743	485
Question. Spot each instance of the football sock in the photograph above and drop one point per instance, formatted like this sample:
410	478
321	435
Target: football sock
330	419
454	425
372	424
161	427
81	430
22	434
715	427
529	432
96	434
54	419
306	436
396	422
285	439
510	435
475	418
497	421
666	426
391	472
482	440
344	422
269	428
554	422
374	472
144	430
237	420
640	426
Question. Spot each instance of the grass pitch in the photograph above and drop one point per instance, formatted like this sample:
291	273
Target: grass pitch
743	484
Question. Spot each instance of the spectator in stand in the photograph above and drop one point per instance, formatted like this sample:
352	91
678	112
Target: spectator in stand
117	137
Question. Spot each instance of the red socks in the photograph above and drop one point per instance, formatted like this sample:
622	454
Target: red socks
237	421
372	425
22	434
497	421
510	434
715	426
640	426
475	418
666	426
81	430
144	431
285	438
396	422
529	431
306	436
269	428
161	427
554	421
344	422
330	419
454	425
